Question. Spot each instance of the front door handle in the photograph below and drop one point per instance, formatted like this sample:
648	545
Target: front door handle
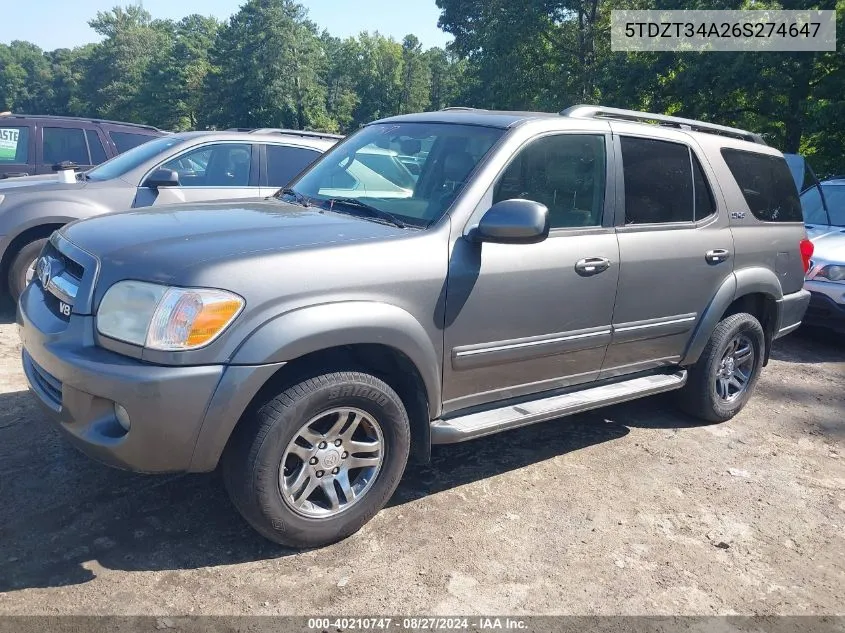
717	256
591	266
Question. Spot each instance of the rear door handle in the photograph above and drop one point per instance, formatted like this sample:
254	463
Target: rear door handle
717	256
591	266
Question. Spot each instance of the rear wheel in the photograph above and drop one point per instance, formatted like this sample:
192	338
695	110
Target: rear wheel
22	268
319	460
721	382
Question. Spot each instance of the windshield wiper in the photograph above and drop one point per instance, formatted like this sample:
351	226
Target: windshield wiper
299	198
372	211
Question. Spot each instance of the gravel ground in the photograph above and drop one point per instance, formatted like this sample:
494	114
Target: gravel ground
633	509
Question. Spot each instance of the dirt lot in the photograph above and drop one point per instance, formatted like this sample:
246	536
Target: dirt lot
634	509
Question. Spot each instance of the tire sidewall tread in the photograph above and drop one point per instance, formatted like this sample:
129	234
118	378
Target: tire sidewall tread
698	397
251	462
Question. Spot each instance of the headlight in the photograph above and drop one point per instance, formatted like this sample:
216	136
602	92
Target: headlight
832	273
163	318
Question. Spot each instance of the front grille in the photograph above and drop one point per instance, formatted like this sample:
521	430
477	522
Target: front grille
74	269
49	384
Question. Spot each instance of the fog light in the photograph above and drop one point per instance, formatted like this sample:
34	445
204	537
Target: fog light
122	416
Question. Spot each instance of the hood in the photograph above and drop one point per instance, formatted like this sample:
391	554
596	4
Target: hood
156	243
829	242
43	182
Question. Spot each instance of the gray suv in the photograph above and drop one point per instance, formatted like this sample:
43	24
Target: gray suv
535	266
185	167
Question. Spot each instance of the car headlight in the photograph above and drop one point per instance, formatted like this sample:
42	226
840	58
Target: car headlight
833	272
166	318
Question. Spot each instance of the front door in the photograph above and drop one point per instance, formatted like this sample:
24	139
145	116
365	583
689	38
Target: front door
216	171
676	250
522	319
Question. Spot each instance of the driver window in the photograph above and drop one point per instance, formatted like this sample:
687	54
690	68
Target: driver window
223	165
565	172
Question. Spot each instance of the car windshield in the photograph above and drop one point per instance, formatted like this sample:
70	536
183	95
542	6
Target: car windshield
814	213
124	163
410	172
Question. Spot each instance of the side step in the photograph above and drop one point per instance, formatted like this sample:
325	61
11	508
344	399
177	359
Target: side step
473	425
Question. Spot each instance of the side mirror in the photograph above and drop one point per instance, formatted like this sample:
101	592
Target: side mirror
513	222
162	178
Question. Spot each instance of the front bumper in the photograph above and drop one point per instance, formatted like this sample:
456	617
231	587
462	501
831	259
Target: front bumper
824	310
181	417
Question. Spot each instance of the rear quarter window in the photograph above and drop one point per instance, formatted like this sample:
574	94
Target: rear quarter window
124	141
766	184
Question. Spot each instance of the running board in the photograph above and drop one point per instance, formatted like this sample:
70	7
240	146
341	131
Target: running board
473	425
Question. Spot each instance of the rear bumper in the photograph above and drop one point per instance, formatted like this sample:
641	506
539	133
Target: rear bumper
825	312
792	309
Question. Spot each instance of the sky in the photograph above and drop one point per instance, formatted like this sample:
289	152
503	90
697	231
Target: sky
55	24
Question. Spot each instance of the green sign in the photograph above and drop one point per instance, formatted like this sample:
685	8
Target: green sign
9	143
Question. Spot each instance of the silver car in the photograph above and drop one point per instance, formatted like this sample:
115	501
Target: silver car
189	167
824	213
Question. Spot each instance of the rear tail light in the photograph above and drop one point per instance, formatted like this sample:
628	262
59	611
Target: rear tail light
807	249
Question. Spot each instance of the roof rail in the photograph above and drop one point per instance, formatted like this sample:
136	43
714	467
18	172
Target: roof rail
57	117
465	108
600	112
278	130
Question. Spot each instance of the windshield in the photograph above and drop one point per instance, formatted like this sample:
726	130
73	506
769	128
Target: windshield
136	156
814	213
411	171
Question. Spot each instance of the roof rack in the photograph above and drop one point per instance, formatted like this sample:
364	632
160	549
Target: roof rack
278	130
17	115
600	112
464	108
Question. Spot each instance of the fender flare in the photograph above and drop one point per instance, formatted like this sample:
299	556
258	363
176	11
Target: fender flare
294	334
742	282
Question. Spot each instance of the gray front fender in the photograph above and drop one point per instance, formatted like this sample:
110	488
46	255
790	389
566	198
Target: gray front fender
315	328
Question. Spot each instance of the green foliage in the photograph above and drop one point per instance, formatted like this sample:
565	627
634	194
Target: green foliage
270	66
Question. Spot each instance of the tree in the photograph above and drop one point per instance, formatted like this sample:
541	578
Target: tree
117	66
266	68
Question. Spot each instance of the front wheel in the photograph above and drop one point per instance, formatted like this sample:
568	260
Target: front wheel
720	383
22	268
319	460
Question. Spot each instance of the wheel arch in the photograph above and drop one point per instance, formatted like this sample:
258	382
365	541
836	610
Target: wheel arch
756	291
306	343
39	229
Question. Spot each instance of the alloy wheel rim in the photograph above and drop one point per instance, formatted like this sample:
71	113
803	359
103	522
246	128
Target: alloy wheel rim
331	462
733	374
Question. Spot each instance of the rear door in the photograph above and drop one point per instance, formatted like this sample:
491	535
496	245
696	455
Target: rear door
17	150
281	163
60	142
221	170
675	247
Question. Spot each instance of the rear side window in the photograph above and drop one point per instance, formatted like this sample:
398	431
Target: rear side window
14	145
767	185
283	163
124	141
98	152
65	144
658	181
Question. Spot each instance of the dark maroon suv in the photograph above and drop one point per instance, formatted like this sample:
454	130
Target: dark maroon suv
33	144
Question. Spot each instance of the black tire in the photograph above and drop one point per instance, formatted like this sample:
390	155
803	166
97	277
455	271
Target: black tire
253	458
699	397
21	262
